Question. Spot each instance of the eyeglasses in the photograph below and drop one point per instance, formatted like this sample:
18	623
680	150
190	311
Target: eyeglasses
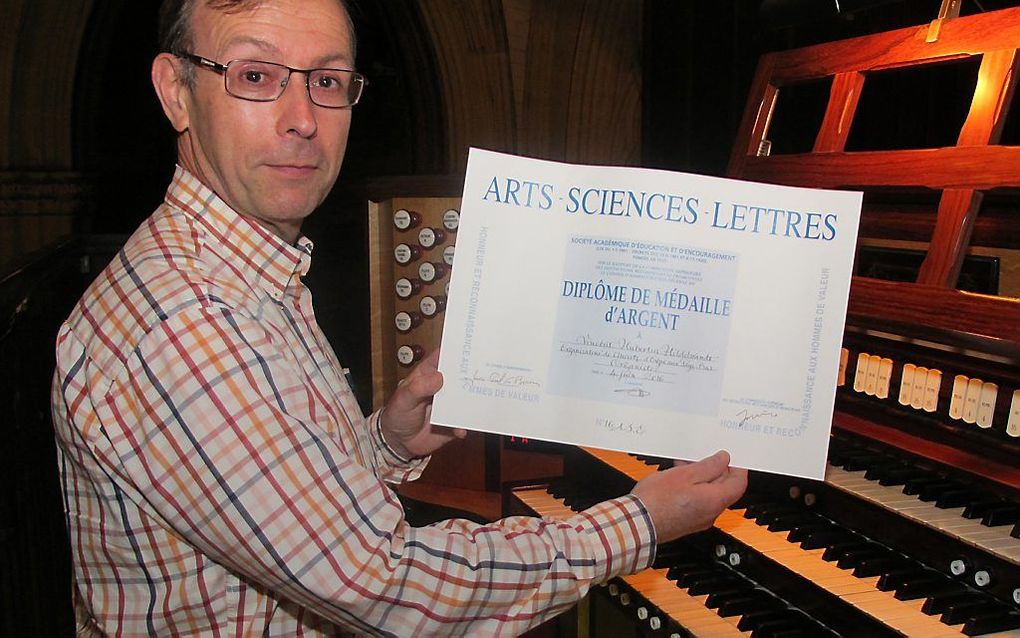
265	81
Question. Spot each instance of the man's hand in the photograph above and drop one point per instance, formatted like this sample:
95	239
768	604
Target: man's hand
688	498
405	419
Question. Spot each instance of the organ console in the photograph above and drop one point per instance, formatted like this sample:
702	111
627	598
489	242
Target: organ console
915	530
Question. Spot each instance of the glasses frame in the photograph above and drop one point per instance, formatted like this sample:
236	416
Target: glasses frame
360	80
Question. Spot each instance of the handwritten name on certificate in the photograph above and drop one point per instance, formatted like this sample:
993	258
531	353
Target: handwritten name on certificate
647	311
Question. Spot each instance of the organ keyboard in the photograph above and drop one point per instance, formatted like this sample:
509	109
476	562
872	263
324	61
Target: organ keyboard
799	554
915	530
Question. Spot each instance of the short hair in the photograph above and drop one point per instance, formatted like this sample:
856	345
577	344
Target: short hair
176	36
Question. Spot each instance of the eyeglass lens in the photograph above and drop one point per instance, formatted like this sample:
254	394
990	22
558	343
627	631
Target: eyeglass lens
265	81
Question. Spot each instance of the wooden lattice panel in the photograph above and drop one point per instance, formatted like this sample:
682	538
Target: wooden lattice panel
962	172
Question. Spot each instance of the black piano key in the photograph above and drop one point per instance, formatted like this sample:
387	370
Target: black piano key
836	551
709	585
932	491
777	510
560	488
857	461
955	498
573	496
827	538
925	587
779	628
788	522
881	565
991	623
853	557
914	486
943	602
751	620
704	576
801	532
753	510
896	578
721	595
882	468
668	554
678	569
900	475
838	454
655	461
579	504
1005	515
962	612
980	507
689	578
756	600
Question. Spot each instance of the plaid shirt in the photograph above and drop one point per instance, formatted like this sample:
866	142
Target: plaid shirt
220	479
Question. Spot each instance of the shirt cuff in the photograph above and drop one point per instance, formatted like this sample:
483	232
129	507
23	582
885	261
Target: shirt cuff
623	537
393	468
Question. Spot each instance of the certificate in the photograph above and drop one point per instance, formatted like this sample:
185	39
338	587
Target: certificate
647	311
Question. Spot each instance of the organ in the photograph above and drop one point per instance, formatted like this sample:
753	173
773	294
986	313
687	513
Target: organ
916	528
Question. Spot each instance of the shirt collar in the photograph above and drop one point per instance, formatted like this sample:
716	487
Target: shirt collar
263	257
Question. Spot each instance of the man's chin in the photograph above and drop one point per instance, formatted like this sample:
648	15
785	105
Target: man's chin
293	209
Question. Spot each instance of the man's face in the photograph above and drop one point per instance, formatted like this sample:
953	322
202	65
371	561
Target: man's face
272	161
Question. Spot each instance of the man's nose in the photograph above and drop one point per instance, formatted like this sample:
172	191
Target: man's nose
297	111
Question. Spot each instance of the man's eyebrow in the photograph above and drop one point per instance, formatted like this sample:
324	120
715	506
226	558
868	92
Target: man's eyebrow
259	43
339	60
335	60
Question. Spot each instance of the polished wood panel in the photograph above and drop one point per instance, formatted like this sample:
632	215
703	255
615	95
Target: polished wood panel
989	323
959	37
953	167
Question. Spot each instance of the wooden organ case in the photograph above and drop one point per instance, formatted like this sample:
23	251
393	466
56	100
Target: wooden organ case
916	529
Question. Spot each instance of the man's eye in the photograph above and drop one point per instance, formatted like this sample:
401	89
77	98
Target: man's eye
253	77
328	82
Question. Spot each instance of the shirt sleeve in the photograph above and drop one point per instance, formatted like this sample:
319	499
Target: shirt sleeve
389	466
203	423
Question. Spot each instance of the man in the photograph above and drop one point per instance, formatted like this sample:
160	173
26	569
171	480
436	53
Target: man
219	477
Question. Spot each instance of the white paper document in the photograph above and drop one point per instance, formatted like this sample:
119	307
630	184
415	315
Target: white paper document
647	311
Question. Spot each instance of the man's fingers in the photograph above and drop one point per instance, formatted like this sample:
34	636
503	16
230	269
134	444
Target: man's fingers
733	482
431	359
420	386
709	468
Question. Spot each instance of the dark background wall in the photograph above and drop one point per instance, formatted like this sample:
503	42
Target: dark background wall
84	151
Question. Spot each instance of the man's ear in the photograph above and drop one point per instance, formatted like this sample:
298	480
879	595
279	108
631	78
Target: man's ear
172	90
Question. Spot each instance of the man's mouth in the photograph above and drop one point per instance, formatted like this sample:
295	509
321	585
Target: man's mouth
293	170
